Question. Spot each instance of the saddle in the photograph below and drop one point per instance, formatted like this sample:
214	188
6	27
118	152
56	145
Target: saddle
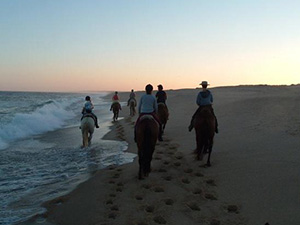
88	115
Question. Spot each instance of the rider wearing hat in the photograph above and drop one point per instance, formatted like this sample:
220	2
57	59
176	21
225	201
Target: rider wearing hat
204	98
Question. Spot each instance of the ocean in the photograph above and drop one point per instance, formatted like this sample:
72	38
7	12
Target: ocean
40	149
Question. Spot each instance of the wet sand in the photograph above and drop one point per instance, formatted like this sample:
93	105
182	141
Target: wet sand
254	178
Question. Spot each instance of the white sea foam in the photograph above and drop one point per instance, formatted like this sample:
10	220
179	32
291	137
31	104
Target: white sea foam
48	117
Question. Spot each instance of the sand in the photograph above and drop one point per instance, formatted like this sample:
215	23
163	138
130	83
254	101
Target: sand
254	178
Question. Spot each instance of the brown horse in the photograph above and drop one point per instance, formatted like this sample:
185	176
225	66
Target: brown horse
163	114
132	105
146	138
204	124
116	108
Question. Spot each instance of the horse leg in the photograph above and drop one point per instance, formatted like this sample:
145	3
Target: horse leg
140	175
199	143
209	153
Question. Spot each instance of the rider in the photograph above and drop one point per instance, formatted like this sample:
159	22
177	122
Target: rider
87	110
161	95
204	98
115	100
131	96
148	105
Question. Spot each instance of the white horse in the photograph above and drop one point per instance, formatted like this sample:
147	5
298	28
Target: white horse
87	130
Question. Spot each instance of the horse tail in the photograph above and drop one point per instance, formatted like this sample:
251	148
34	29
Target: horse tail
85	136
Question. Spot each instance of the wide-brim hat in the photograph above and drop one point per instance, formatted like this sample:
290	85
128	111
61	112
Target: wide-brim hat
204	83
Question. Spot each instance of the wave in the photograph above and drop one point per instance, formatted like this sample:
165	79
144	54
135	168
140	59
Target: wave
49	116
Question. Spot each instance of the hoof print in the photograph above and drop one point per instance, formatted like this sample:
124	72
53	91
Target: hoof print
112	215
169	201
168	178
197	192
193	206
215	222
178	156
159	220
211	182
210	196
149	209
119	189
177	164
109	202
162	170
114	208
185	181
159	189
138	197
188	170
146	186
199	175
232	209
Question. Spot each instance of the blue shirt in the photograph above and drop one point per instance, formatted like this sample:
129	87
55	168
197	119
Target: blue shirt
204	98
147	104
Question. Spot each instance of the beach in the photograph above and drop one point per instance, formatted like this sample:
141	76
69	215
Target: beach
254	178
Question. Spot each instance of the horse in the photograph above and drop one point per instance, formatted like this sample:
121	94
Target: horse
204	123
132	105
116	108
146	138
163	114
87	130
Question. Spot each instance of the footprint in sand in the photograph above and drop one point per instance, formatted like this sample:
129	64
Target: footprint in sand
114	208
116	175
210	196
109	202
232	208
188	170
215	222
112	215
168	178
112	195
138	197
185	181
178	156
166	162
197	191
193	206
159	220
146	186
158	189
149	209
211	182
199	174
119	189
177	164
169	201
162	170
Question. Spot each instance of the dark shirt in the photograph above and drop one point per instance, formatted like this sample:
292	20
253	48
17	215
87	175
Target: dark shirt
161	96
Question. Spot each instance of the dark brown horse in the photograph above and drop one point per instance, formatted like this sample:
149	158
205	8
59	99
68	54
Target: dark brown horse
204	124
163	115
146	138
116	108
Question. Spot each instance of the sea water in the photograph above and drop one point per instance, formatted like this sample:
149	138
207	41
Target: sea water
40	149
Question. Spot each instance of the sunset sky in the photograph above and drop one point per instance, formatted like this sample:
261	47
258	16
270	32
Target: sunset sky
100	45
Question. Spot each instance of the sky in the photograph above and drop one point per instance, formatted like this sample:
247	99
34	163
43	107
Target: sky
109	45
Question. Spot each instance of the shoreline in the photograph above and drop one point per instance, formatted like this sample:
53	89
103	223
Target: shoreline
245	185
